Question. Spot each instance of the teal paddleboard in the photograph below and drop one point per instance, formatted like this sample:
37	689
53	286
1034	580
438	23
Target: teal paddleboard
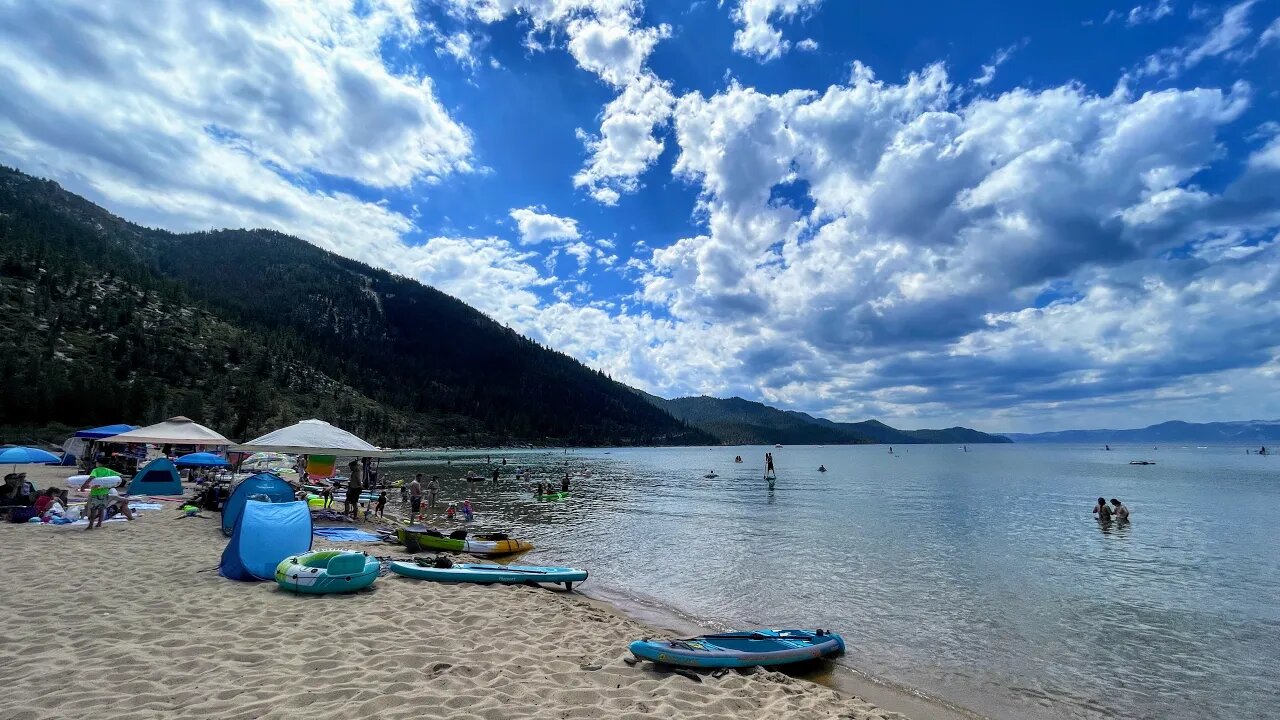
505	574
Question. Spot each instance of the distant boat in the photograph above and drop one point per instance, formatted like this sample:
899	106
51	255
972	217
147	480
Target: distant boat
778	445
711	474
1142	462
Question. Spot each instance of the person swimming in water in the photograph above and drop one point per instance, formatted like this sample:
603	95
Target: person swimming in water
1102	510
822	468
451	512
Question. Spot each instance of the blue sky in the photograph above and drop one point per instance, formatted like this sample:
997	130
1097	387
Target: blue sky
1013	216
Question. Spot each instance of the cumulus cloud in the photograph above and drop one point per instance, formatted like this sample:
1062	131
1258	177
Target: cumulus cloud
614	48
605	37
875	223
757	36
627	144
536	226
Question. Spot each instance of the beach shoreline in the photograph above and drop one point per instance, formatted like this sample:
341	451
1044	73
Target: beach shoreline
134	620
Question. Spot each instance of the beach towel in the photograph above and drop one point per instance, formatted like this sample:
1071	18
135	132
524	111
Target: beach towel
334	534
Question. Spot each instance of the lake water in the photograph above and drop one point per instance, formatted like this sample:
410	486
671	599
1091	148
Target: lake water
978	577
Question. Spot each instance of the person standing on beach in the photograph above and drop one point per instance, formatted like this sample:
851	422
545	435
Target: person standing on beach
415	495
433	487
352	504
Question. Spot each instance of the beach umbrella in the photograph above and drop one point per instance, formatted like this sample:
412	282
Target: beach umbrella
200	459
16	456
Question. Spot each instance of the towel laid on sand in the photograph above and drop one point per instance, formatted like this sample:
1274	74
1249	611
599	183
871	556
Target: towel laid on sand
337	534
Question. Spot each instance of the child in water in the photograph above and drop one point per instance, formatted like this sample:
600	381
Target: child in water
451	512
467	513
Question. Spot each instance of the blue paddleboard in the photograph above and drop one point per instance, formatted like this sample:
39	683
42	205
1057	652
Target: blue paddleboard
474	573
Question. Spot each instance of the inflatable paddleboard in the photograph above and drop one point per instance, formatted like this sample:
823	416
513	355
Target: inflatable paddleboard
76	481
505	574
554	496
743	648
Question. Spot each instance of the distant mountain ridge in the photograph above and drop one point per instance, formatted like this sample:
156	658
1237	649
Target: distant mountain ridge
737	421
1247	432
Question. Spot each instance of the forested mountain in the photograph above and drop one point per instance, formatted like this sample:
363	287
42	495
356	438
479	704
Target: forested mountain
105	321
1246	432
742	422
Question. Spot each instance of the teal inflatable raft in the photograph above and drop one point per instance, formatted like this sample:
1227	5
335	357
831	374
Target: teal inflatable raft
327	571
506	574
743	648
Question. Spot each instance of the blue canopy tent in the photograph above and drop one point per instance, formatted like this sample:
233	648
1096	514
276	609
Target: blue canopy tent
158	477
264	485
105	431
265	534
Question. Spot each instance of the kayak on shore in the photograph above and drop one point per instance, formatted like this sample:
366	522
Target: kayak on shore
743	648
418	537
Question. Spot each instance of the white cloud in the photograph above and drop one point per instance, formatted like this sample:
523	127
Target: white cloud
989	70
614	47
199	116
756	36
927	216
1271	34
1142	14
536	226
807	45
627	144
1223	40
605	36
299	86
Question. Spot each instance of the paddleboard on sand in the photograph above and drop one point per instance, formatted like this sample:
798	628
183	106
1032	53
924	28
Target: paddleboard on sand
506	574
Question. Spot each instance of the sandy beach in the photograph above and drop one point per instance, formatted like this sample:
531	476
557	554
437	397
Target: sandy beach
133	621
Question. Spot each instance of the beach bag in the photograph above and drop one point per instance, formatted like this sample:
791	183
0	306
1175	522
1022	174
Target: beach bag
22	514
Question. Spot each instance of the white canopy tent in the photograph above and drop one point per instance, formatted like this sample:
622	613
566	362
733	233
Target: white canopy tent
312	437
176	430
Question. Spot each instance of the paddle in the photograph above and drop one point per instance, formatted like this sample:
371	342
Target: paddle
754	636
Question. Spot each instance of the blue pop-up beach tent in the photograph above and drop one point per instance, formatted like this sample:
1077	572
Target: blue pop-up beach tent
265	534
158	477
265	485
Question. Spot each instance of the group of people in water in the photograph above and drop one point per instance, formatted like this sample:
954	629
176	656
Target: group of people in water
550	489
1116	510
